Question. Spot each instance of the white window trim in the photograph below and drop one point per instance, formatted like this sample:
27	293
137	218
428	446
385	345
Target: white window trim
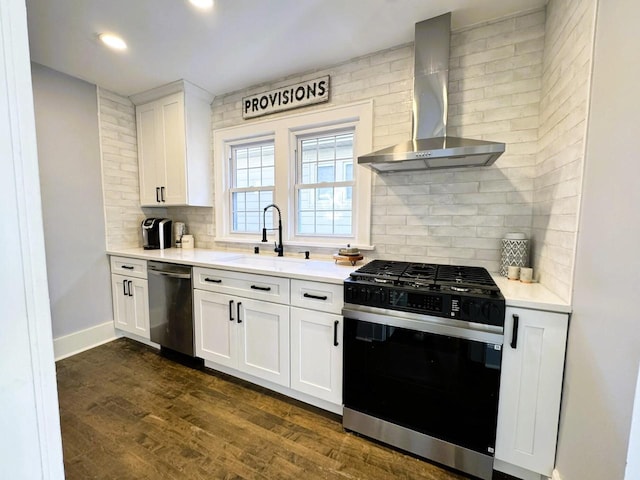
294	155
284	130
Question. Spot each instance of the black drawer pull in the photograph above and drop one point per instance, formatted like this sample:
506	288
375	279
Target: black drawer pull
158	194
239	319
213	280
335	333
124	288
315	297
127	267
231	311
264	289
130	288
514	333
162	194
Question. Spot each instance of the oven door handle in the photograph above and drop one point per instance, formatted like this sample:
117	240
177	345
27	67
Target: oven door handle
426	323
514	332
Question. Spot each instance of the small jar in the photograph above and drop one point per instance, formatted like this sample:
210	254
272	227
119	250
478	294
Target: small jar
515	252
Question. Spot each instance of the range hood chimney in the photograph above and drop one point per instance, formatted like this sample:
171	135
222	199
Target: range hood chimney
430	147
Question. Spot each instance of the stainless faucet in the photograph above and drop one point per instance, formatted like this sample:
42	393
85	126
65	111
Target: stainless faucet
279	248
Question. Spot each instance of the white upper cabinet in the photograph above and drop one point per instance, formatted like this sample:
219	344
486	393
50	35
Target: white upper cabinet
174	133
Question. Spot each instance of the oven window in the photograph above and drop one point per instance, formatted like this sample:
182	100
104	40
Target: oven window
442	386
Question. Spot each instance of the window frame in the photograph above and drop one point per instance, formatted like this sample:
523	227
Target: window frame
232	170
318	132
285	130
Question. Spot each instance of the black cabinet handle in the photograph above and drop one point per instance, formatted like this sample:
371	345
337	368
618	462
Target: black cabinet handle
264	289
162	193
315	297
335	333
231	311
130	289
124	288
239	319
127	267
213	280
514	333
158	194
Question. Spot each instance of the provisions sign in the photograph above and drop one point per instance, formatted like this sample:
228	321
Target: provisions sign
286	98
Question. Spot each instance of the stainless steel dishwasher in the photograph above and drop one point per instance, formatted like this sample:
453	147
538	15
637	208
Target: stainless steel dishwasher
171	306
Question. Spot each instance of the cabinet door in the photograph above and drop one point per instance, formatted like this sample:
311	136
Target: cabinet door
149	154
263	334
172	143
316	360
530	388
215	327
139	307
131	304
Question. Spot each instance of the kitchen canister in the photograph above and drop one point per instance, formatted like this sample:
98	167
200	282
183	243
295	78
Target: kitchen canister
188	242
515	252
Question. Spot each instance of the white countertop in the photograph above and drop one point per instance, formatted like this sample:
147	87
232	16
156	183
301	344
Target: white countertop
516	294
530	295
319	270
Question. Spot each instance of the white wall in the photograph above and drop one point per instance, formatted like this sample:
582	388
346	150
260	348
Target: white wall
604	336
30	443
66	111
563	118
119	145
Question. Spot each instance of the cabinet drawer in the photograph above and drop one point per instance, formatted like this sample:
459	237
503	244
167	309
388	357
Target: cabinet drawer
326	297
132	267
259	287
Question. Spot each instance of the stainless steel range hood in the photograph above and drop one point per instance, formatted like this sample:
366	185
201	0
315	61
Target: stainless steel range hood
430	147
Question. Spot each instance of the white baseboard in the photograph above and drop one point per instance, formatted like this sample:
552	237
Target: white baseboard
556	475
77	342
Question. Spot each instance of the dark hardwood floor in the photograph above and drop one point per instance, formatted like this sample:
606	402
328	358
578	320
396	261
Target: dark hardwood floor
128	413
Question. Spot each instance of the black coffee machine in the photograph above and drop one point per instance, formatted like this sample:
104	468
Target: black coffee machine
156	233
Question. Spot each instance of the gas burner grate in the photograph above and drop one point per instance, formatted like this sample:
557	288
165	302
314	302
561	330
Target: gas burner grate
421	273
381	270
465	276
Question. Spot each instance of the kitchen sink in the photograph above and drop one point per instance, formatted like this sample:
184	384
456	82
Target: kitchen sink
278	264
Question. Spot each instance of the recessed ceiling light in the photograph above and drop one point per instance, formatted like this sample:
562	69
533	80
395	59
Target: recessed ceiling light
113	41
203	4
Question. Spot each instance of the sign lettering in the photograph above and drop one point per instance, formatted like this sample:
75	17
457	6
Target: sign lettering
286	98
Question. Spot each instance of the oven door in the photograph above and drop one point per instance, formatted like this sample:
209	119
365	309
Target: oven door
424	373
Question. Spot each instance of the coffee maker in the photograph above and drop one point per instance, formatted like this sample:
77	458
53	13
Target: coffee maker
156	233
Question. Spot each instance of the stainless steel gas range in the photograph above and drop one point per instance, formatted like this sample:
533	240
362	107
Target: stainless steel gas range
422	355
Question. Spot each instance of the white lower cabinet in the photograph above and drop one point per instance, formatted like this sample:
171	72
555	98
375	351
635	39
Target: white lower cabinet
530	391
131	304
249	335
316	354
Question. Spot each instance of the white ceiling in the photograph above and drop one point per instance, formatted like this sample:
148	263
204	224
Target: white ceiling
237	44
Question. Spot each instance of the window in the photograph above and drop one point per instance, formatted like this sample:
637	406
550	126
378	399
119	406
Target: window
252	170
306	164
324	185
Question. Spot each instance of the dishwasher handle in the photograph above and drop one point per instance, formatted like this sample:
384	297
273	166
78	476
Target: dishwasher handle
170	274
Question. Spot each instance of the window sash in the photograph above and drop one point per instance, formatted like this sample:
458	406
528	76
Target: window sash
251	165
316	221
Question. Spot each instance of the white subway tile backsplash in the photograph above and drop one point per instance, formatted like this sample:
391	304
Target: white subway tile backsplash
428	220
521	80
451	231
451	252
479	220
563	110
475	243
457	210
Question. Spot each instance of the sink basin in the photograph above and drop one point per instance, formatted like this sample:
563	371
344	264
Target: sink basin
278	264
